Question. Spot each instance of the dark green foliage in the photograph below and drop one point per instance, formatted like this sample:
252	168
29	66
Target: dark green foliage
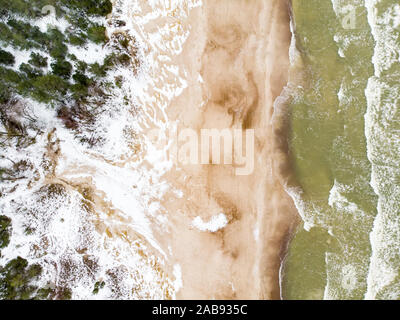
97	286
109	62
14	39
44	88
124	42
63	294
73	58
80	88
97	34
29	71
92	7
77	40
43	294
25	36
37	60
81	79
22	35
118	81
5	93
123	59
56	46
9	76
49	87
16	283
115	59
62	68
81	66
30	80
9	80
98	70
6	58
16	277
27	8
33	8
5	230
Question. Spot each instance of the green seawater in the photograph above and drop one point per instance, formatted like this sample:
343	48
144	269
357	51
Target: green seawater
345	151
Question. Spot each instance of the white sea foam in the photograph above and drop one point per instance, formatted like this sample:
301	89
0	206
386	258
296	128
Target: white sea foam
383	138
383	29
341	215
216	223
293	52
341	204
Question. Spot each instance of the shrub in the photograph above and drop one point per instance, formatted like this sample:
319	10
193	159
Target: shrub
25	87
48	87
79	21
116	59
5	229
9	76
16	277
80	89
72	57
6	58
92	7
97	34
62	68
81	79
31	80
98	70
58	52
123	59
55	44
37	60
5	93
24	35
103	8
97	286
9	81
29	71
81	66
77	40
5	33
27	8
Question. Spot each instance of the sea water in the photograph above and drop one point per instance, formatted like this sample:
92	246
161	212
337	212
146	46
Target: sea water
344	148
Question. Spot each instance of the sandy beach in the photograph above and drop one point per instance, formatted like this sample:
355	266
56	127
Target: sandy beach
240	49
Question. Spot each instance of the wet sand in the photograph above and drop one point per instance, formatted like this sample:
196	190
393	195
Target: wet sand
240	49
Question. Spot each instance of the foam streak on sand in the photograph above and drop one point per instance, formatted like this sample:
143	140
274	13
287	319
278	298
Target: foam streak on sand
216	223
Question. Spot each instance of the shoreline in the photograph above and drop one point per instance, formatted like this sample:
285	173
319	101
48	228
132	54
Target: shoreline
241	52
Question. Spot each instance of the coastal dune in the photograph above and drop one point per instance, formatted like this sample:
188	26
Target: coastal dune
236	58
